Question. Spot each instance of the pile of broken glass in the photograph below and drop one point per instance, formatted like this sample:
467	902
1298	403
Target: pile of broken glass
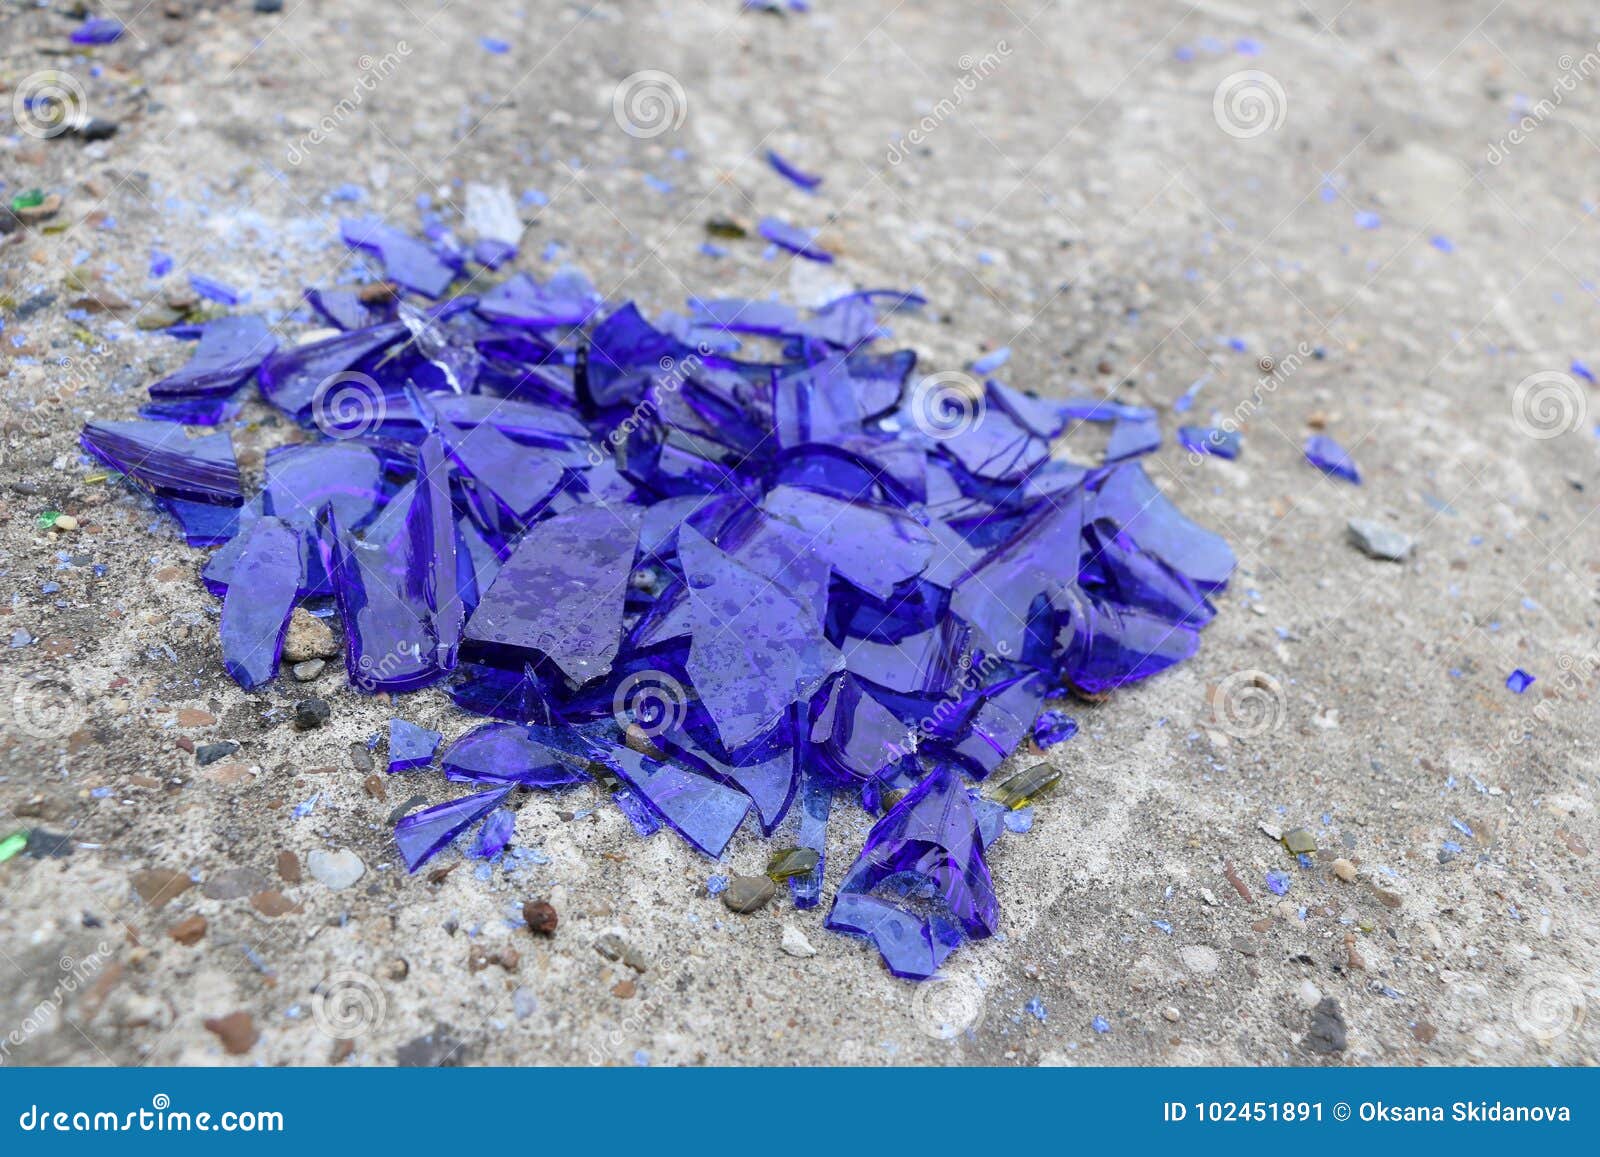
723	587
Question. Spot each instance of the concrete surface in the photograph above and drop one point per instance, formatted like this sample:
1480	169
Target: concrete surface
1077	197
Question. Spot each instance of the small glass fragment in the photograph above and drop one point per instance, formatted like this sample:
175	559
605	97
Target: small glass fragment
1519	680
1299	841
801	242
1277	883
1053	727
1212	440
804	180
790	862
1025	786
1331	458
13	844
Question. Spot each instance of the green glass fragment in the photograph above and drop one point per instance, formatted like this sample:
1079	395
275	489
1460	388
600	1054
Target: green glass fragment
48	519
787	862
27	199
1019	790
1299	842
13	844
726	228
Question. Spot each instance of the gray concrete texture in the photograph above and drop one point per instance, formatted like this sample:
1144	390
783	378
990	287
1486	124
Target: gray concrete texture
1320	208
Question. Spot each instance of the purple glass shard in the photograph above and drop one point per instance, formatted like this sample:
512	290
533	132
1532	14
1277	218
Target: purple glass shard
932	834
301	480
255	613
701	810
874	548
521	477
423	834
230	350
816	803
344	309
568	298
294	380
1040	416
510	753
1130	501
754	650
1132	437
406	261
1212	440
1053	727
192	411
1519	681
98	30
806	181
856	735
908	943
1331	458
801	242
432	534
164	460
997	597
410	746
560	594
624	355
495	834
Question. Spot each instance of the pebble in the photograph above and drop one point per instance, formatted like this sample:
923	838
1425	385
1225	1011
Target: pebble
746	894
98	129
1345	870
1171	1014
232	884
614	947
310	714
337	870
540	916
188	932
1378	541
158	885
309	670
1327	1034
288	867
1199	959
65	522
795	942
211	752
1310	994
308	637
236	1031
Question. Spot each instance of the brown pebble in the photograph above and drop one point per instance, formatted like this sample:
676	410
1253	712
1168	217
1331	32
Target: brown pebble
185	744
188	932
194	717
273	904
236	1031
288	867
1232	875
541	917
341	1051
373	786
509	959
1345	870
1424	1032
624	989
158	885
1390	899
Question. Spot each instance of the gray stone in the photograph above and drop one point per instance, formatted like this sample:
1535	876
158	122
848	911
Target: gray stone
337	870
309	670
1379	541
1327	1034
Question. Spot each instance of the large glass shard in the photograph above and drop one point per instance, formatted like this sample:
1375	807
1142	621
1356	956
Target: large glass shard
255	612
296	380
1130	501
874	548
410	746
510	753
560	594
424	834
161	458
701	810
406	261
230	349
755	650
566	299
